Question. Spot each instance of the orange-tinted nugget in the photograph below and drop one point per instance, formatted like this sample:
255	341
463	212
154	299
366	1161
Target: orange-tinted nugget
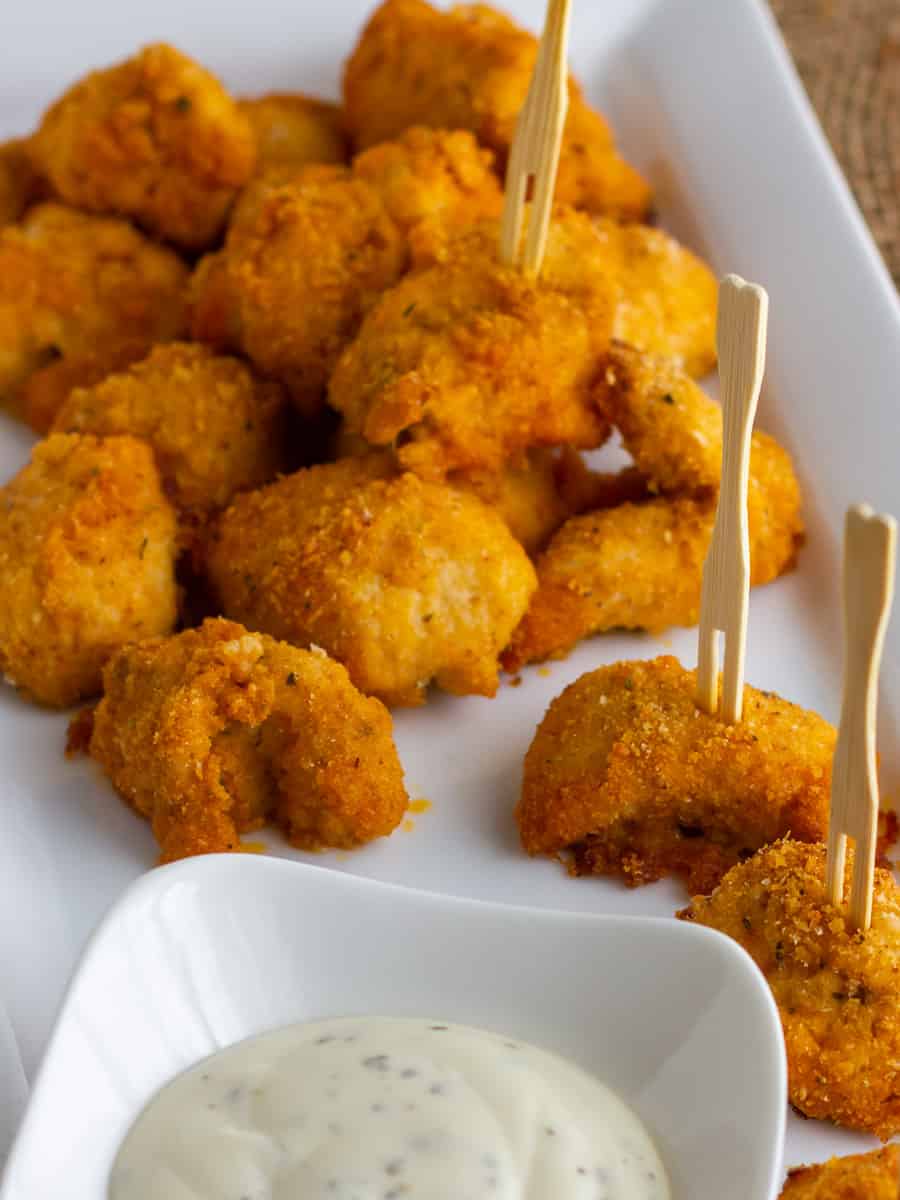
874	1176
87	554
216	731
156	138
628	777
470	68
20	184
292	130
837	989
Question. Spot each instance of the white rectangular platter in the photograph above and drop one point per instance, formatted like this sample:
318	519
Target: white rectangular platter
705	100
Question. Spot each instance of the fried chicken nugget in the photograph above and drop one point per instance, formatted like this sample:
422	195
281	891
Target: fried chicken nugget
292	130
296	275
466	364
20	184
214	428
213	732
873	1176
629	777
470	68
403	581
87	554
668	296
156	138
837	989
73	285
640	565
47	389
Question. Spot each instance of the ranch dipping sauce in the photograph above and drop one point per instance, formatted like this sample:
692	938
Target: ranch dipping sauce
385	1109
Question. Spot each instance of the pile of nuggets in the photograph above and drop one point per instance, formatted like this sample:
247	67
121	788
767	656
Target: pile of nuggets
310	448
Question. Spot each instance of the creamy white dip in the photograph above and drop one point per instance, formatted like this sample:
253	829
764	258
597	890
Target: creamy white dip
385	1109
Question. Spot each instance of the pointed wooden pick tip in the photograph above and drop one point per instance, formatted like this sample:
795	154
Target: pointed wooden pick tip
865	514
734	283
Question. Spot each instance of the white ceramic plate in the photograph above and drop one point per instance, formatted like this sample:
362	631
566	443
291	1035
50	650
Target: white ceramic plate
705	100
196	956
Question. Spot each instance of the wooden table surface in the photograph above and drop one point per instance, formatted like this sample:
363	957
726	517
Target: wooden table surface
848	55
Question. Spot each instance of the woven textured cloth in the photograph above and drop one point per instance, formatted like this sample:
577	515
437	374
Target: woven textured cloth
848	55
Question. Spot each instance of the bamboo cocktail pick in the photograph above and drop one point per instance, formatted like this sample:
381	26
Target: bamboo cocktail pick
869	552
534	157
724	598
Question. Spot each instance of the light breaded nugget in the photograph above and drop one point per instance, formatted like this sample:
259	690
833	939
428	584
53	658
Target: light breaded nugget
212	733
296	275
214	429
874	1176
292	130
156	138
20	184
72	284
87	552
640	565
470	68
403	581
630	777
668	299
837	990
468	363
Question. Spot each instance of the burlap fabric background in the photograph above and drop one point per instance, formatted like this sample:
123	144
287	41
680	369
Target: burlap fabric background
848	54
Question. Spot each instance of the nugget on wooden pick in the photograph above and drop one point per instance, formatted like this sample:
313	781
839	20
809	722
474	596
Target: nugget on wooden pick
213	732
155	138
401	580
470	68
87	563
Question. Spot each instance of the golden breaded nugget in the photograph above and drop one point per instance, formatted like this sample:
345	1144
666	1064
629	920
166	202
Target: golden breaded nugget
837	989
443	178
214	428
156	138
216	731
470	68
466	364
72	284
640	565
668	299
292	130
46	390
873	1176
671	428
20	184
403	581
629	777
297	272
87	554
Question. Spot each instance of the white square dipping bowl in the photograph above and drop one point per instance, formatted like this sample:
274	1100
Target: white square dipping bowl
201	954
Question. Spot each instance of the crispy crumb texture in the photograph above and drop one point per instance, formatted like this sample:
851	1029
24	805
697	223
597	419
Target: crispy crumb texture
837	989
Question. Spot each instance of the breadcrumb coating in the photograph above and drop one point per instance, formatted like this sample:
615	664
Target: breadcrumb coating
20	185
47	389
629	777
155	138
470	68
213	732
403	581
292	130
873	1176
640	565
73	285
310	249
668	299
464	365
214	429
87	554
837	989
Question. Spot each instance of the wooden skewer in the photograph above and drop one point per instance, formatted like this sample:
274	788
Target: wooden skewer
869	552
534	156
724	599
